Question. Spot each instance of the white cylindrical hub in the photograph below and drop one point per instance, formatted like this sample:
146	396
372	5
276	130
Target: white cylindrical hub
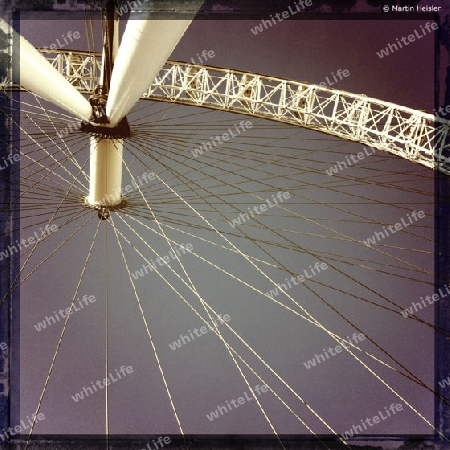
105	172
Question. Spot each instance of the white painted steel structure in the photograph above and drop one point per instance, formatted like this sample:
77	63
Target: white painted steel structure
415	135
106	172
39	77
132	73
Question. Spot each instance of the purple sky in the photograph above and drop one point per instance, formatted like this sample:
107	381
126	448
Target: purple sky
201	375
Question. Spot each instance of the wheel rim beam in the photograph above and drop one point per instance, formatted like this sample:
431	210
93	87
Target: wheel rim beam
411	134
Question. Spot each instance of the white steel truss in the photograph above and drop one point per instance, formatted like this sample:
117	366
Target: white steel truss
414	135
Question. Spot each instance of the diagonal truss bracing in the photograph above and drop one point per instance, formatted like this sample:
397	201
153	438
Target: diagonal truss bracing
414	135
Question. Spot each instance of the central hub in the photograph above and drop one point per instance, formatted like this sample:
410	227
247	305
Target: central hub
106	149
121	131
98	102
99	123
104	209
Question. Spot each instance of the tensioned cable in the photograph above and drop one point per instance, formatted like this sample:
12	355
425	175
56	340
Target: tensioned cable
211	319
309	219
286	294
205	210
149	334
58	346
354	326
227	345
236	278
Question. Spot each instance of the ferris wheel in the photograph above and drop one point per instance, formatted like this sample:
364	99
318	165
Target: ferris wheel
215	225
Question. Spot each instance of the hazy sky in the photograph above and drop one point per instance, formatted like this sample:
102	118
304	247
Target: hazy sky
201	375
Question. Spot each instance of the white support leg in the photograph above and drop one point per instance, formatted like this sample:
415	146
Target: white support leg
37	75
105	173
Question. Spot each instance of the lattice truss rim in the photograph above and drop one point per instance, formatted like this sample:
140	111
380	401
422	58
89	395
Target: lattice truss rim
411	134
